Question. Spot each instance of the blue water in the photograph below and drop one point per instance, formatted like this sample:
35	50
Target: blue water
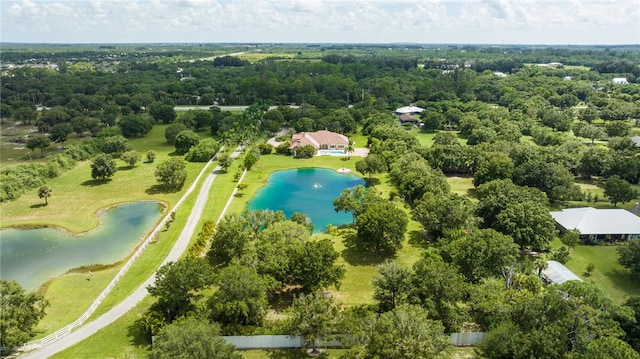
307	190
32	256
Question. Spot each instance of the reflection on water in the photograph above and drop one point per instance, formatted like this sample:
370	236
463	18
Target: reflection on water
307	190
33	256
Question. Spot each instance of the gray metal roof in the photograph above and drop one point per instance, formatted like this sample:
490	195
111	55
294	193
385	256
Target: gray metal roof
557	273
409	109
598	221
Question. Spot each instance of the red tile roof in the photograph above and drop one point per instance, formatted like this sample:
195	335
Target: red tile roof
318	138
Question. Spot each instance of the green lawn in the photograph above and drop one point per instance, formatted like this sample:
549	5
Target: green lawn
12	153
609	274
359	139
125	338
77	198
460	185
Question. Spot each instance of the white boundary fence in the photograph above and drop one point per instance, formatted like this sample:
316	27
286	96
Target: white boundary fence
289	342
150	237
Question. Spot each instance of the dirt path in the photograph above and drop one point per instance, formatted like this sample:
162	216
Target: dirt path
132	300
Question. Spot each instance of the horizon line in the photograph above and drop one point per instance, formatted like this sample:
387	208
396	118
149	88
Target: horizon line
253	43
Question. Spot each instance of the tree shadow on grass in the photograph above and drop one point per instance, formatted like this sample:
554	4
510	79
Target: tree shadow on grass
621	278
293	354
356	255
372	181
37	205
138	335
95	182
156	189
472	192
125	168
419	239
283	299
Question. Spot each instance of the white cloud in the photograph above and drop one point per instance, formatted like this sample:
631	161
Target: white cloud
313	7
488	21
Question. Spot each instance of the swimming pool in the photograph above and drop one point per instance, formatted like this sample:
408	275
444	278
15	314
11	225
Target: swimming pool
331	153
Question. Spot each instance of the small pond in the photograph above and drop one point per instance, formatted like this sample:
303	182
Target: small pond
307	190
32	256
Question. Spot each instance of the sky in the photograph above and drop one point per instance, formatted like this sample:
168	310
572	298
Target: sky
550	22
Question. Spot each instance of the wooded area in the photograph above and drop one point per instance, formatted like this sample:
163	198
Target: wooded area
536	129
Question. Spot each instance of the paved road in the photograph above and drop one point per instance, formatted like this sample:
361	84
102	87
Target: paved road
131	301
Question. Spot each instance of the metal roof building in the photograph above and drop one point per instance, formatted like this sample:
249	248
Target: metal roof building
599	224
557	273
409	110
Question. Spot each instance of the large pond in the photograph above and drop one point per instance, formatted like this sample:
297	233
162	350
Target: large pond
32	256
307	190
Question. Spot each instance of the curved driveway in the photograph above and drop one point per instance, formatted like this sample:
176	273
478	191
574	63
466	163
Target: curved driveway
132	300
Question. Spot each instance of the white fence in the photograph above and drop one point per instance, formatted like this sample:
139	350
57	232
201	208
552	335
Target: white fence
288	342
150	237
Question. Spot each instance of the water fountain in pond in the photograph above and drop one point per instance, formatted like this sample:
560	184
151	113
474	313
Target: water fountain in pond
289	191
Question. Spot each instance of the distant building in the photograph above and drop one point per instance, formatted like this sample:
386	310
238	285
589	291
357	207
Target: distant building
557	65
500	74
599	224
620	80
406	118
411	110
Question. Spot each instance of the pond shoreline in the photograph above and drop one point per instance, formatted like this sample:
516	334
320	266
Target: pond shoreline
115	261
96	215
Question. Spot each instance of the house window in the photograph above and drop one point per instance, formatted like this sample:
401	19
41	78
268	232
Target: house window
324	146
340	147
333	147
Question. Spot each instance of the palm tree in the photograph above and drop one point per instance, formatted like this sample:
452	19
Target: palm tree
45	192
349	150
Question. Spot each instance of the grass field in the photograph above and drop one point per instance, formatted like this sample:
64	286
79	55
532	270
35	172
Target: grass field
77	198
460	185
609	274
255	56
12	153
426	138
125	338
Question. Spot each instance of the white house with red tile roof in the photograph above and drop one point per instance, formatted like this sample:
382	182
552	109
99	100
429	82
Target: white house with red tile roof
321	140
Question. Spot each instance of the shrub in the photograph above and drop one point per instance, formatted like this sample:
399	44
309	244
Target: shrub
306	151
283	148
203	151
265	148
